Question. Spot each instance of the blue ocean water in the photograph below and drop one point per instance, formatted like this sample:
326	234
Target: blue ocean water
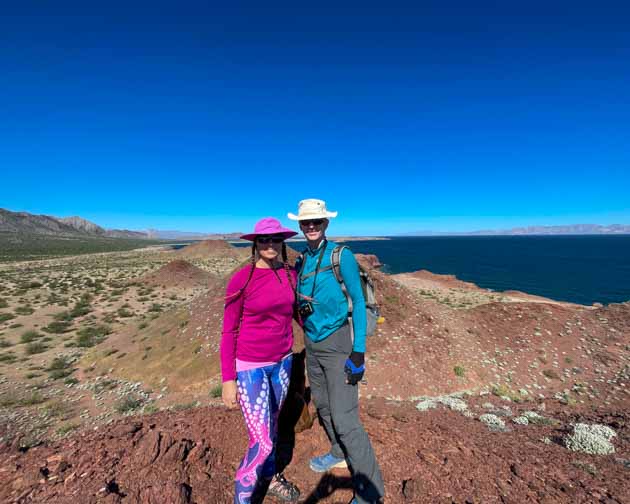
579	269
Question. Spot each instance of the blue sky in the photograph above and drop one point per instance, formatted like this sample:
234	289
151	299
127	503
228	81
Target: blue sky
190	116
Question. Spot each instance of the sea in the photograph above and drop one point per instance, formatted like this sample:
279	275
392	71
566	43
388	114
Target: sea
579	269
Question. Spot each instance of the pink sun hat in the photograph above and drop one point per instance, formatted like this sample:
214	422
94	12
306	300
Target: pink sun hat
269	226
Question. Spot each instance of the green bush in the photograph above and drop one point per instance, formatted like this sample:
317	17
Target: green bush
6	316
93	335
128	404
8	358
459	371
5	344
59	363
216	391
124	312
63	316
57	327
3	303
65	429
24	310
35	348
58	374
29	336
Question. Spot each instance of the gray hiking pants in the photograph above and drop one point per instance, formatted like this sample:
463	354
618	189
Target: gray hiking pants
337	405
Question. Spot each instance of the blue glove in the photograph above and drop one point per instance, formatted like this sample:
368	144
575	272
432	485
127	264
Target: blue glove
355	367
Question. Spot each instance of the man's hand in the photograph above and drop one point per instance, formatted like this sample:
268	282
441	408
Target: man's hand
355	367
228	394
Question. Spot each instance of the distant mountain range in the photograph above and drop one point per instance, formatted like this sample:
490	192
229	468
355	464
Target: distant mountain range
26	223
77	227
574	229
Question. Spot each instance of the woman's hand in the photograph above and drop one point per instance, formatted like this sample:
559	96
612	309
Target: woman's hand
228	394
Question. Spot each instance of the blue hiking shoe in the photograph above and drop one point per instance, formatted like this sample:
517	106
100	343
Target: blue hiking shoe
327	462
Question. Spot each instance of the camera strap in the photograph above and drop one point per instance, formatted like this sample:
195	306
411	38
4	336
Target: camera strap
319	262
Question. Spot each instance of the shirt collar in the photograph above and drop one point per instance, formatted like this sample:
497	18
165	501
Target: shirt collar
317	250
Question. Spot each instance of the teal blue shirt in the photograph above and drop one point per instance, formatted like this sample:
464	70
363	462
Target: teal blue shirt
330	307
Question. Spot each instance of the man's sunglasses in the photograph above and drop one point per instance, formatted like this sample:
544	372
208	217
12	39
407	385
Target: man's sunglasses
266	240
314	222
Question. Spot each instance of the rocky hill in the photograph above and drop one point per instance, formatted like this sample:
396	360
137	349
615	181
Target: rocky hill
470	396
26	223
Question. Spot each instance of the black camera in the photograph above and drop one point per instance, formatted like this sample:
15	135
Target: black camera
305	309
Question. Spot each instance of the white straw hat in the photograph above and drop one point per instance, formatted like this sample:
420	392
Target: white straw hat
312	209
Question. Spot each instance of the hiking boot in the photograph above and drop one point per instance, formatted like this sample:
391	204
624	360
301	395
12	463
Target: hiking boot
283	489
327	462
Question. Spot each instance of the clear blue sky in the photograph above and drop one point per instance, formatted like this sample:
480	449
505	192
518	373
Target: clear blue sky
444	116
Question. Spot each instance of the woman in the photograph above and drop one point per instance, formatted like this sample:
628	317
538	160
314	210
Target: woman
256	356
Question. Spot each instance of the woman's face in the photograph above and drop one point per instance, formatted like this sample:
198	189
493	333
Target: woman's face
269	247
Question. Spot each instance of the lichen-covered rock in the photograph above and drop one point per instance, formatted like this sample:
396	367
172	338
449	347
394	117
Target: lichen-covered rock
591	438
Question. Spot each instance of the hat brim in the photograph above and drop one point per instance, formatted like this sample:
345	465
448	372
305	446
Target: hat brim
319	215
284	234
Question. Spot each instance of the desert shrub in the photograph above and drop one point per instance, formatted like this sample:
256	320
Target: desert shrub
58	374
6	316
128	404
35	347
110	351
57	327
459	371
594	439
24	310
150	409
8	358
142	325
13	399
216	391
155	307
124	312
65	429
29	336
82	306
59	363
16	326
537	419
71	381
5	344
3	303
63	316
492	421
93	335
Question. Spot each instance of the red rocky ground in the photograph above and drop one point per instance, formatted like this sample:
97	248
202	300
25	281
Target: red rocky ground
510	352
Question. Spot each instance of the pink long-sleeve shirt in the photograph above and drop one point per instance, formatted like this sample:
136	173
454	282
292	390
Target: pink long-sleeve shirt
265	333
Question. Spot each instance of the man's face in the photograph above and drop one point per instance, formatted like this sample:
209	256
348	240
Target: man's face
314	229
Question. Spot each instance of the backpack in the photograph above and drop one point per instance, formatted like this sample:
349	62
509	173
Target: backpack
367	286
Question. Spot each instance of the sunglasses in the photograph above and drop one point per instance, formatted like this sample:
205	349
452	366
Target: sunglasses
266	240
314	222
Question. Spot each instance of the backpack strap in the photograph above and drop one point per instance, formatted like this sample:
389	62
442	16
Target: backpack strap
335	261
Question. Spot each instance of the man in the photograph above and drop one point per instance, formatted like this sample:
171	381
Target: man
335	363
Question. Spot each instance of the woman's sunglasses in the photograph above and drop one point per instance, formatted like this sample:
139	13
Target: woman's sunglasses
266	240
314	222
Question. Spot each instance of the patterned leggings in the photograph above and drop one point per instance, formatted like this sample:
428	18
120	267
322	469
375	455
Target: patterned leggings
262	392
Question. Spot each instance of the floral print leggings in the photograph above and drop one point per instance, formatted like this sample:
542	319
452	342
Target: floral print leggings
262	392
